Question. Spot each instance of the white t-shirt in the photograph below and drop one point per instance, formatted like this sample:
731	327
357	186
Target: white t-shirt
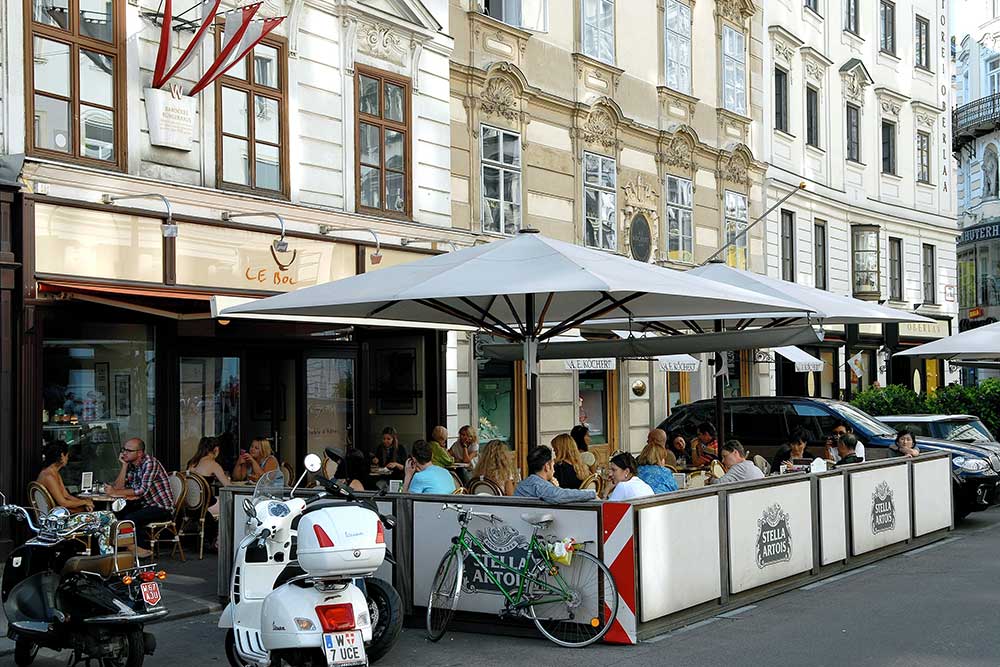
632	488
859	451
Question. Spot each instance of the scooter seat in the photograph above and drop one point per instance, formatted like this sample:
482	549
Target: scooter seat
102	565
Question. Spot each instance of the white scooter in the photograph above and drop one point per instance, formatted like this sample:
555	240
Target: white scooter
302	591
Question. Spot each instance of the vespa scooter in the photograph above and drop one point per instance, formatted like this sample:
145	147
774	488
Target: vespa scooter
302	590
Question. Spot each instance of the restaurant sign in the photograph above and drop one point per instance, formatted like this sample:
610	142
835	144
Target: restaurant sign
883	509
591	364
504	545
774	538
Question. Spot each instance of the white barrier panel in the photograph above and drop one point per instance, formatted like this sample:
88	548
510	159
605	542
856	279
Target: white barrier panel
509	540
932	508
678	556
770	534
880	507
832	520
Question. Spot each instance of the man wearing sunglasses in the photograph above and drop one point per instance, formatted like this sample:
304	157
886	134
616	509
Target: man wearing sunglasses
144	485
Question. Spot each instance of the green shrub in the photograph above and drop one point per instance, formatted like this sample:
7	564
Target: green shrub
983	401
892	400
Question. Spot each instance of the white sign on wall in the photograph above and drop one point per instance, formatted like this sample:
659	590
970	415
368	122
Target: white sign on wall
590	364
880	508
171	118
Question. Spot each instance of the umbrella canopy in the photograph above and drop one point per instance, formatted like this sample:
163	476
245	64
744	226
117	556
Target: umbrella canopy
528	287
980	344
831	308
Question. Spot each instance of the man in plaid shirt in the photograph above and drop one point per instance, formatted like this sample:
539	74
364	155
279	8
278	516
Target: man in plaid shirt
144	484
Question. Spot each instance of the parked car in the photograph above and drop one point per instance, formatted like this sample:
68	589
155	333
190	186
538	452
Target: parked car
763	424
957	428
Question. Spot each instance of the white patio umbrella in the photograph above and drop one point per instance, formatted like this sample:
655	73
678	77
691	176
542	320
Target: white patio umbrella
980	344
526	289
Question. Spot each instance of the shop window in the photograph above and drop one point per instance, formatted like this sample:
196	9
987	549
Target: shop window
98	391
594	405
495	387
383	143
75	84
678	390
329	403
501	160
599	29
600	195
210	406
251	121
967	278
680	219
737	217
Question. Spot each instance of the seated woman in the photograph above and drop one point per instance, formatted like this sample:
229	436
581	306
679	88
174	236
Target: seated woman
259	460
570	470
678	446
205	463
624	478
390	454
497	465
905	445
356	471
795	449
653	469
466	448
581	436
55	455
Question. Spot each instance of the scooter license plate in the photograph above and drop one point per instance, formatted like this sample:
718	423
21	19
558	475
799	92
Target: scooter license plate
345	648
150	593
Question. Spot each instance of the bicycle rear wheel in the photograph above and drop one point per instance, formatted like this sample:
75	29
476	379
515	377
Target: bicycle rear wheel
445	591
578	602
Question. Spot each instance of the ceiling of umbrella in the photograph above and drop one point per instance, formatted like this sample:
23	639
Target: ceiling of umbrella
526	286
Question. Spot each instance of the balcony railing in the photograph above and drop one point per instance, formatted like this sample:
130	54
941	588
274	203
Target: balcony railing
974	119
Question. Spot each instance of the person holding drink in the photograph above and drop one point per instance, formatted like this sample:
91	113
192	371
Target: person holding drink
251	465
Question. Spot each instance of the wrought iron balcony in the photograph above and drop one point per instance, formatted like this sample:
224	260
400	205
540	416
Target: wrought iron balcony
973	120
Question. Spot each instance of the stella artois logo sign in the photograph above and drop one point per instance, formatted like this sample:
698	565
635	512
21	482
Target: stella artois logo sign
170	113
774	537
504	545
883	509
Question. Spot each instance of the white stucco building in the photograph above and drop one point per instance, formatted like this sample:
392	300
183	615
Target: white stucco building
858	99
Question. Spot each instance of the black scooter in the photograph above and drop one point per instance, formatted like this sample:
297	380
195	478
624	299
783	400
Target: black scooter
95	606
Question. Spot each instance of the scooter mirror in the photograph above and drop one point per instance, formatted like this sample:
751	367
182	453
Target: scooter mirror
118	504
313	463
248	508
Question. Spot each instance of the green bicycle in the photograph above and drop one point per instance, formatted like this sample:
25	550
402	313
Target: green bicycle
572	605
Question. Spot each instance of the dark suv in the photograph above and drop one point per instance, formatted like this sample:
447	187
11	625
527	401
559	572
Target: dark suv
763	424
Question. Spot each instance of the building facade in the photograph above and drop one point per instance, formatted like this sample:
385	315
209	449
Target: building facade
976	141
630	127
858	109
321	153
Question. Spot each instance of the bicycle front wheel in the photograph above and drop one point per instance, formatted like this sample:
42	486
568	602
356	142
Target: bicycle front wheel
576	603
445	591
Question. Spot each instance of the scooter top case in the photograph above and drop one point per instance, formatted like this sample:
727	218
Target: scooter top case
342	541
291	615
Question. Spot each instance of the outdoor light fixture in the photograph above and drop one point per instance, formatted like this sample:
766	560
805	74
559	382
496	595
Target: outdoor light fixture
168	226
375	257
405	241
279	244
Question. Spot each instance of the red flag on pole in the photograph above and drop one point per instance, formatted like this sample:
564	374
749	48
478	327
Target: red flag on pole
238	22
163	53
208	10
251	38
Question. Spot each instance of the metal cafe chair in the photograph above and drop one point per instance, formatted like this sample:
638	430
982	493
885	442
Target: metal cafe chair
157	529
197	499
43	503
481	486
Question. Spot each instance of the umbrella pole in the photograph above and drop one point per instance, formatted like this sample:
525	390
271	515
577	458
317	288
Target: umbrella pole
720	378
530	368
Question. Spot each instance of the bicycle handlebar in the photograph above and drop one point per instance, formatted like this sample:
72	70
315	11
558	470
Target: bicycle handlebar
492	518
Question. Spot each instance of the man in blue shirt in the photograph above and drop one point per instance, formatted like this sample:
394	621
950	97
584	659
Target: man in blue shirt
422	476
539	483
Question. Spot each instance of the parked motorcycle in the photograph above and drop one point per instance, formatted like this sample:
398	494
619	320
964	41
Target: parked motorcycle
96	605
302	590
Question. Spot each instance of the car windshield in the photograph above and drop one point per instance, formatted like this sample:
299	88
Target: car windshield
965	431
868	425
268	486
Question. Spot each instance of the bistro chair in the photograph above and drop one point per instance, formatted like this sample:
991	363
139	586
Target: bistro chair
481	486
168	531
762	463
593	482
43	503
697	479
459	487
197	499
289	473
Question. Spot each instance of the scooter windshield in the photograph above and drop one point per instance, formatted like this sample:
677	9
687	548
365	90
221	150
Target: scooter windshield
269	485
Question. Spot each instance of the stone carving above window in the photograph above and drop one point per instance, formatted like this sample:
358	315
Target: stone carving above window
783	52
737	11
678	151
601	128
855	79
379	41
734	166
500	98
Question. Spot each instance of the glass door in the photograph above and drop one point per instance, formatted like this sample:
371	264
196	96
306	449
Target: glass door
329	404
271	412
210	406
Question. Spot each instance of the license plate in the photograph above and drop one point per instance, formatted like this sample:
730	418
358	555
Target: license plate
150	593
345	648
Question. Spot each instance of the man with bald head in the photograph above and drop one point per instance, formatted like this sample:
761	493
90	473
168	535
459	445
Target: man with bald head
439	447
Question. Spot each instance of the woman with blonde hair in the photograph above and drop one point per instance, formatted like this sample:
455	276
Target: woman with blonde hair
570	469
259	460
466	448
653	469
497	465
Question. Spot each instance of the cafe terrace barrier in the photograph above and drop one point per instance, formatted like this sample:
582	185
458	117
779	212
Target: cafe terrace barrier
678	557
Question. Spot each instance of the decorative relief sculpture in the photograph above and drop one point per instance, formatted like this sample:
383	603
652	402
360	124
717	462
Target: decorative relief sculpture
990	173
734	167
677	153
782	51
737	11
890	107
814	70
379	41
601	128
854	86
499	98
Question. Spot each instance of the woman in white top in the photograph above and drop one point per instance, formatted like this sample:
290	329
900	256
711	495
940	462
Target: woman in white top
623	472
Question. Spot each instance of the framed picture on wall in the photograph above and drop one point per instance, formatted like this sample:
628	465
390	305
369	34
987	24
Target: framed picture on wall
394	381
123	395
102	384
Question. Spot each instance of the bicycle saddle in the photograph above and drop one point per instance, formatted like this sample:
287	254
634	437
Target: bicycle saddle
536	519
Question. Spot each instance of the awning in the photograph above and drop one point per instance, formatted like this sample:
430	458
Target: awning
167	302
678	363
222	304
804	362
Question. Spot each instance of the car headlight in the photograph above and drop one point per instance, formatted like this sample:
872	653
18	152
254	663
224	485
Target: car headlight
971	465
